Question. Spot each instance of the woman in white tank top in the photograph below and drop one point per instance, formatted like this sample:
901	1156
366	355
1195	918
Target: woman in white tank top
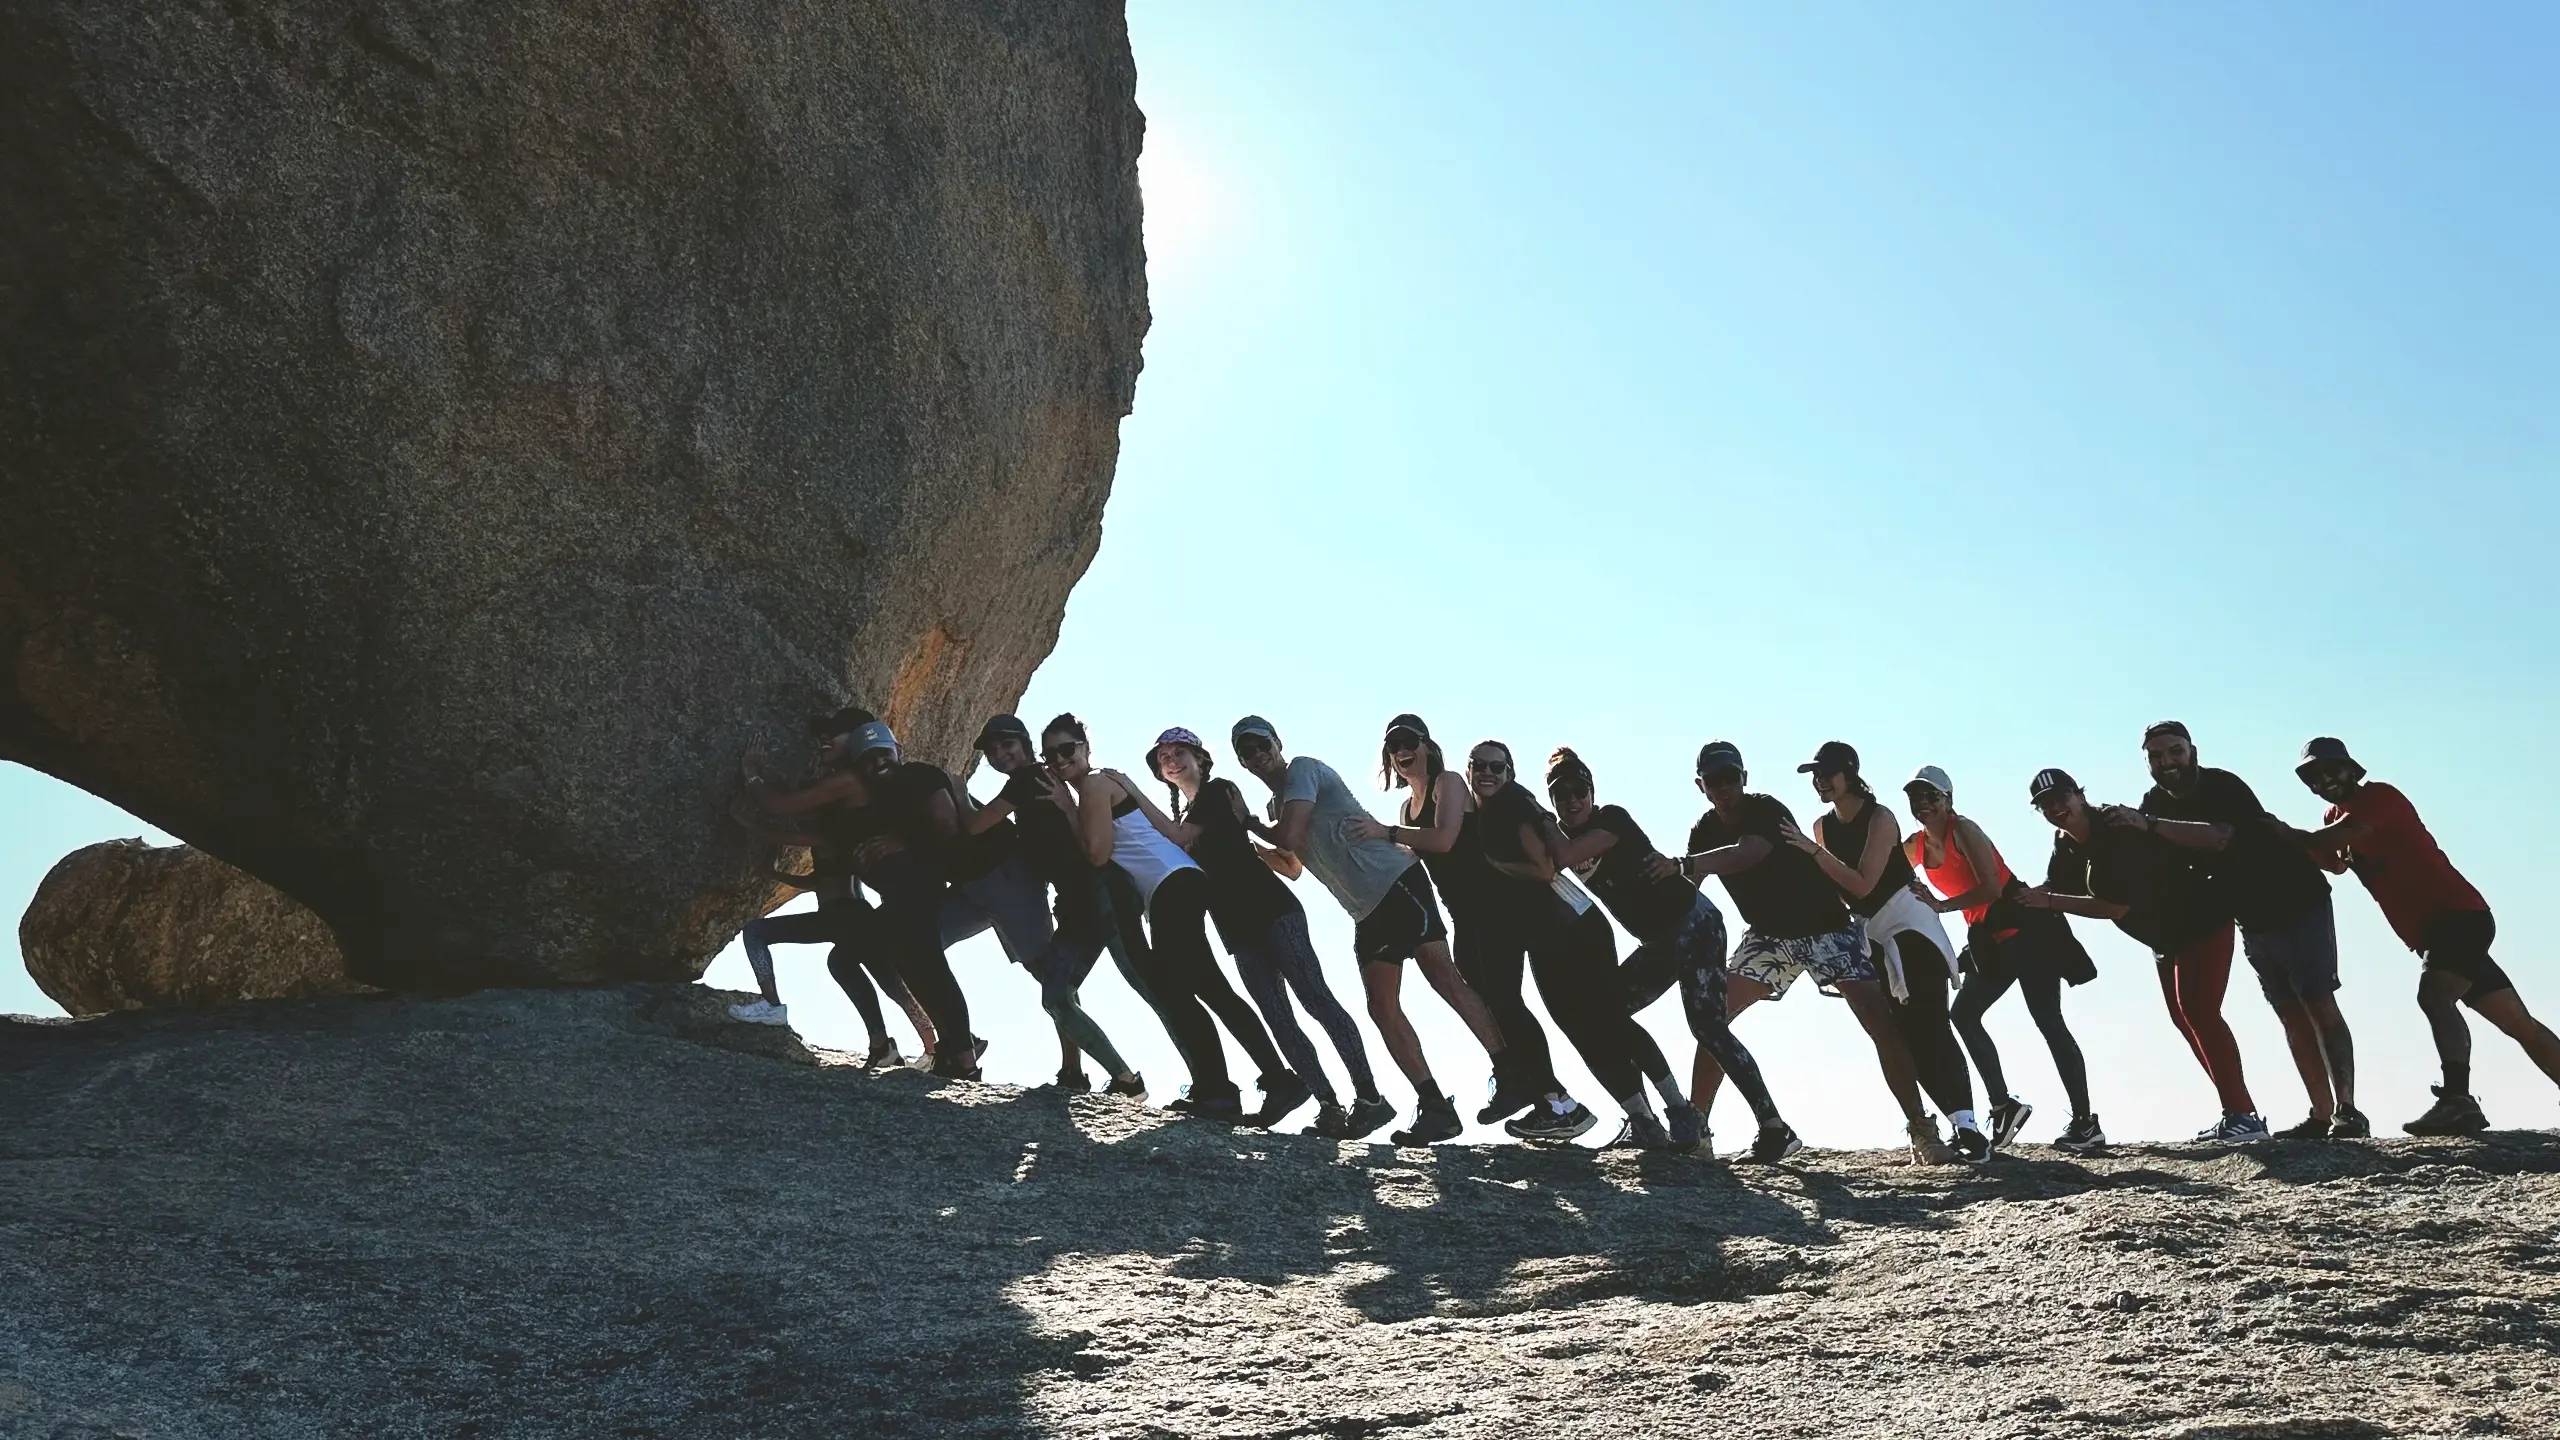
1142	863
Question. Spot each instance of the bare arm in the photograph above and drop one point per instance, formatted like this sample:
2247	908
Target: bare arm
1537	865
1450	800
2193	834
1881	840
1091	812
1730	859
1572	852
828	789
1180	832
1282	863
1981	858
986	817
1297	817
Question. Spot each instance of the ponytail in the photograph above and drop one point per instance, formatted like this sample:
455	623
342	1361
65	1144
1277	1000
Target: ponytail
1565	767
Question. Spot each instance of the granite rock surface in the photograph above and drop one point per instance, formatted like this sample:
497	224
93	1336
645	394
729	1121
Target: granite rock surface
613	1213
126	925
437	437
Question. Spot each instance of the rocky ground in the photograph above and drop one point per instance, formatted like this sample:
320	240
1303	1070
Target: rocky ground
614	1213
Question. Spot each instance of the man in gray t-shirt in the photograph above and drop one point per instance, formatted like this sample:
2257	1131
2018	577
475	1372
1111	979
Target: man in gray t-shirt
1358	872
1396	917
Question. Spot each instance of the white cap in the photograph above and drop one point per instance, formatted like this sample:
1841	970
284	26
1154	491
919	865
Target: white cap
1933	777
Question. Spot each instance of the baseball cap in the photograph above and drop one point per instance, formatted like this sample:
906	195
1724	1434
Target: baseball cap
1004	727
2047	781
1252	725
2325	750
871	736
1933	777
1834	755
1409	721
2167	727
1718	755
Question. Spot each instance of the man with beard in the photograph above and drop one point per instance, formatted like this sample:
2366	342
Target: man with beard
2374	830
2256	873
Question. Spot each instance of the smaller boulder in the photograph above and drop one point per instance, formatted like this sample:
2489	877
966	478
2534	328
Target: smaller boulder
126	925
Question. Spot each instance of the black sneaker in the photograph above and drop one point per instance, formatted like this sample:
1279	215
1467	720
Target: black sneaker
1367	1115
1281	1093
2082	1136
1777	1140
1432	1124
1641	1132
1505	1101
1971	1145
1135	1087
1221	1109
2313	1128
1074	1082
2350	1125
1688	1129
2007	1119
1546	1126
1331	1122
2450	1115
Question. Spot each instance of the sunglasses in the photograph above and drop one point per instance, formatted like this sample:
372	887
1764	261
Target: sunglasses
1570	792
1488	767
1062	752
1403	742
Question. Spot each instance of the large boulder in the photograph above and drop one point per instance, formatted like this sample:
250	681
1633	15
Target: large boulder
131	926
437	437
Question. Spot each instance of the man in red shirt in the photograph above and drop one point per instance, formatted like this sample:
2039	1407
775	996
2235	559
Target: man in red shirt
2373	829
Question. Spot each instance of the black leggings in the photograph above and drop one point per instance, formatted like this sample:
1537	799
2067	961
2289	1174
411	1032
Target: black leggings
909	924
1184	980
837	925
1490	957
1576	967
1922	1019
2008	961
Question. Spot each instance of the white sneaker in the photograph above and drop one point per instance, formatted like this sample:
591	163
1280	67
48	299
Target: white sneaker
761	1012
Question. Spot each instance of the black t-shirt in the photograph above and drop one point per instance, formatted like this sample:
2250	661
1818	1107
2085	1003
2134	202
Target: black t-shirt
1049	839
1785	897
1651	908
961	856
1498	821
2261	877
2146	872
1847	842
1244	894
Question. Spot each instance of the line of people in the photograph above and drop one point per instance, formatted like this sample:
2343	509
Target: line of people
1070	861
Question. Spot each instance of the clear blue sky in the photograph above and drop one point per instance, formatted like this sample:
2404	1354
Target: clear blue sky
1973	385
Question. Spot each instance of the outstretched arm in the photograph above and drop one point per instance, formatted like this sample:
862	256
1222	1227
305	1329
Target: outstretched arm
1730	859
1859	879
1180	832
2193	834
1297	817
827	789
1572	852
1538	863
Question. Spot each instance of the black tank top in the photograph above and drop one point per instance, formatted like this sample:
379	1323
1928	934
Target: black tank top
1847	842
1460	874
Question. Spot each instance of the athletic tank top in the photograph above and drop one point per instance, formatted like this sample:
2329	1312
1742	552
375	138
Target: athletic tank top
1460	874
1847	842
1956	876
1138	847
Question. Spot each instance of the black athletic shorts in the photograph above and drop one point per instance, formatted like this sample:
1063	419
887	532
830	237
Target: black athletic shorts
2458	944
1401	923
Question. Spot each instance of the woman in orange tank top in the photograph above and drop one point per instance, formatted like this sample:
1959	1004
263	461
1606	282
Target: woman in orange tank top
2008	946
